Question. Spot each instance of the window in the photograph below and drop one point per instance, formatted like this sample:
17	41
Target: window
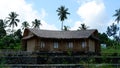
42	44
55	45
70	45
83	44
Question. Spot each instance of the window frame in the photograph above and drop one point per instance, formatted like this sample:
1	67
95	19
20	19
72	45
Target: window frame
70	45
83	44
55	45
42	44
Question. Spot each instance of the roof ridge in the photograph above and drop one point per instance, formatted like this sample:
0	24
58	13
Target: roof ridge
59	30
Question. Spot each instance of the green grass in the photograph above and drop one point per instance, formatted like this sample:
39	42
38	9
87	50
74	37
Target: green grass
110	50
101	66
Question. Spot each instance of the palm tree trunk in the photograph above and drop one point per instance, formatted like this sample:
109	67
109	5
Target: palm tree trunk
12	30
62	26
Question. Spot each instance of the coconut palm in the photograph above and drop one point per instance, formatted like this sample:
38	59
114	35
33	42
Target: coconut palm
66	28
12	19
83	27
62	13
36	23
117	15
25	24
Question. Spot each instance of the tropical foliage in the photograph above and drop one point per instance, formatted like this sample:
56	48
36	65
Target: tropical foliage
36	23
2	28
12	19
83	27
11	41
62	13
113	31
8	40
25	24
117	15
66	28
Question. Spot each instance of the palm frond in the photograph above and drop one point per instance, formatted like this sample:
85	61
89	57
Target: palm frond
117	15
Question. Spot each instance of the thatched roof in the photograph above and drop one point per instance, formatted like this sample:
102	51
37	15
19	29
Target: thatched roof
60	34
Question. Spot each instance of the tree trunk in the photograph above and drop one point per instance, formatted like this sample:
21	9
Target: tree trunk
62	26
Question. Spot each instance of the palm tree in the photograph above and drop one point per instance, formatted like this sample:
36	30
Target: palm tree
36	23
117	15
2	23
12	19
62	13
66	28
2	28
25	24
83	27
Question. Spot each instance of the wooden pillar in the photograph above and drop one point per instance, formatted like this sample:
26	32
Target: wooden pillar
87	45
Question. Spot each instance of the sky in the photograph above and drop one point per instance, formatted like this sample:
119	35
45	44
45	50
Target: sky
97	14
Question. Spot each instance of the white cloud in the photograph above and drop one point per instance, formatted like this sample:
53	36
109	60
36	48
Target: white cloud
43	13
83	1
92	13
47	26
25	11
69	20
76	25
90	10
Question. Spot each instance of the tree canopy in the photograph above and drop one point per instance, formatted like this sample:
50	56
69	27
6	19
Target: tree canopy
36	23
62	13
83	27
25	24
12	19
117	15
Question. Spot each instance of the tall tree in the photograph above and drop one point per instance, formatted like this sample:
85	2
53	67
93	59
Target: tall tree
2	28
18	34
83	27
12	19
103	38
112	30
25	24
2	24
117	15
36	23
62	13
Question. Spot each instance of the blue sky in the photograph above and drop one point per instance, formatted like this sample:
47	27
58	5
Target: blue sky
97	14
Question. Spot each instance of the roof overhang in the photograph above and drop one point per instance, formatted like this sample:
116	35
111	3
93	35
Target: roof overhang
27	37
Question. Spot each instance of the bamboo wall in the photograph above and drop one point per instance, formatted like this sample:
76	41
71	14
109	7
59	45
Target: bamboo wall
63	45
